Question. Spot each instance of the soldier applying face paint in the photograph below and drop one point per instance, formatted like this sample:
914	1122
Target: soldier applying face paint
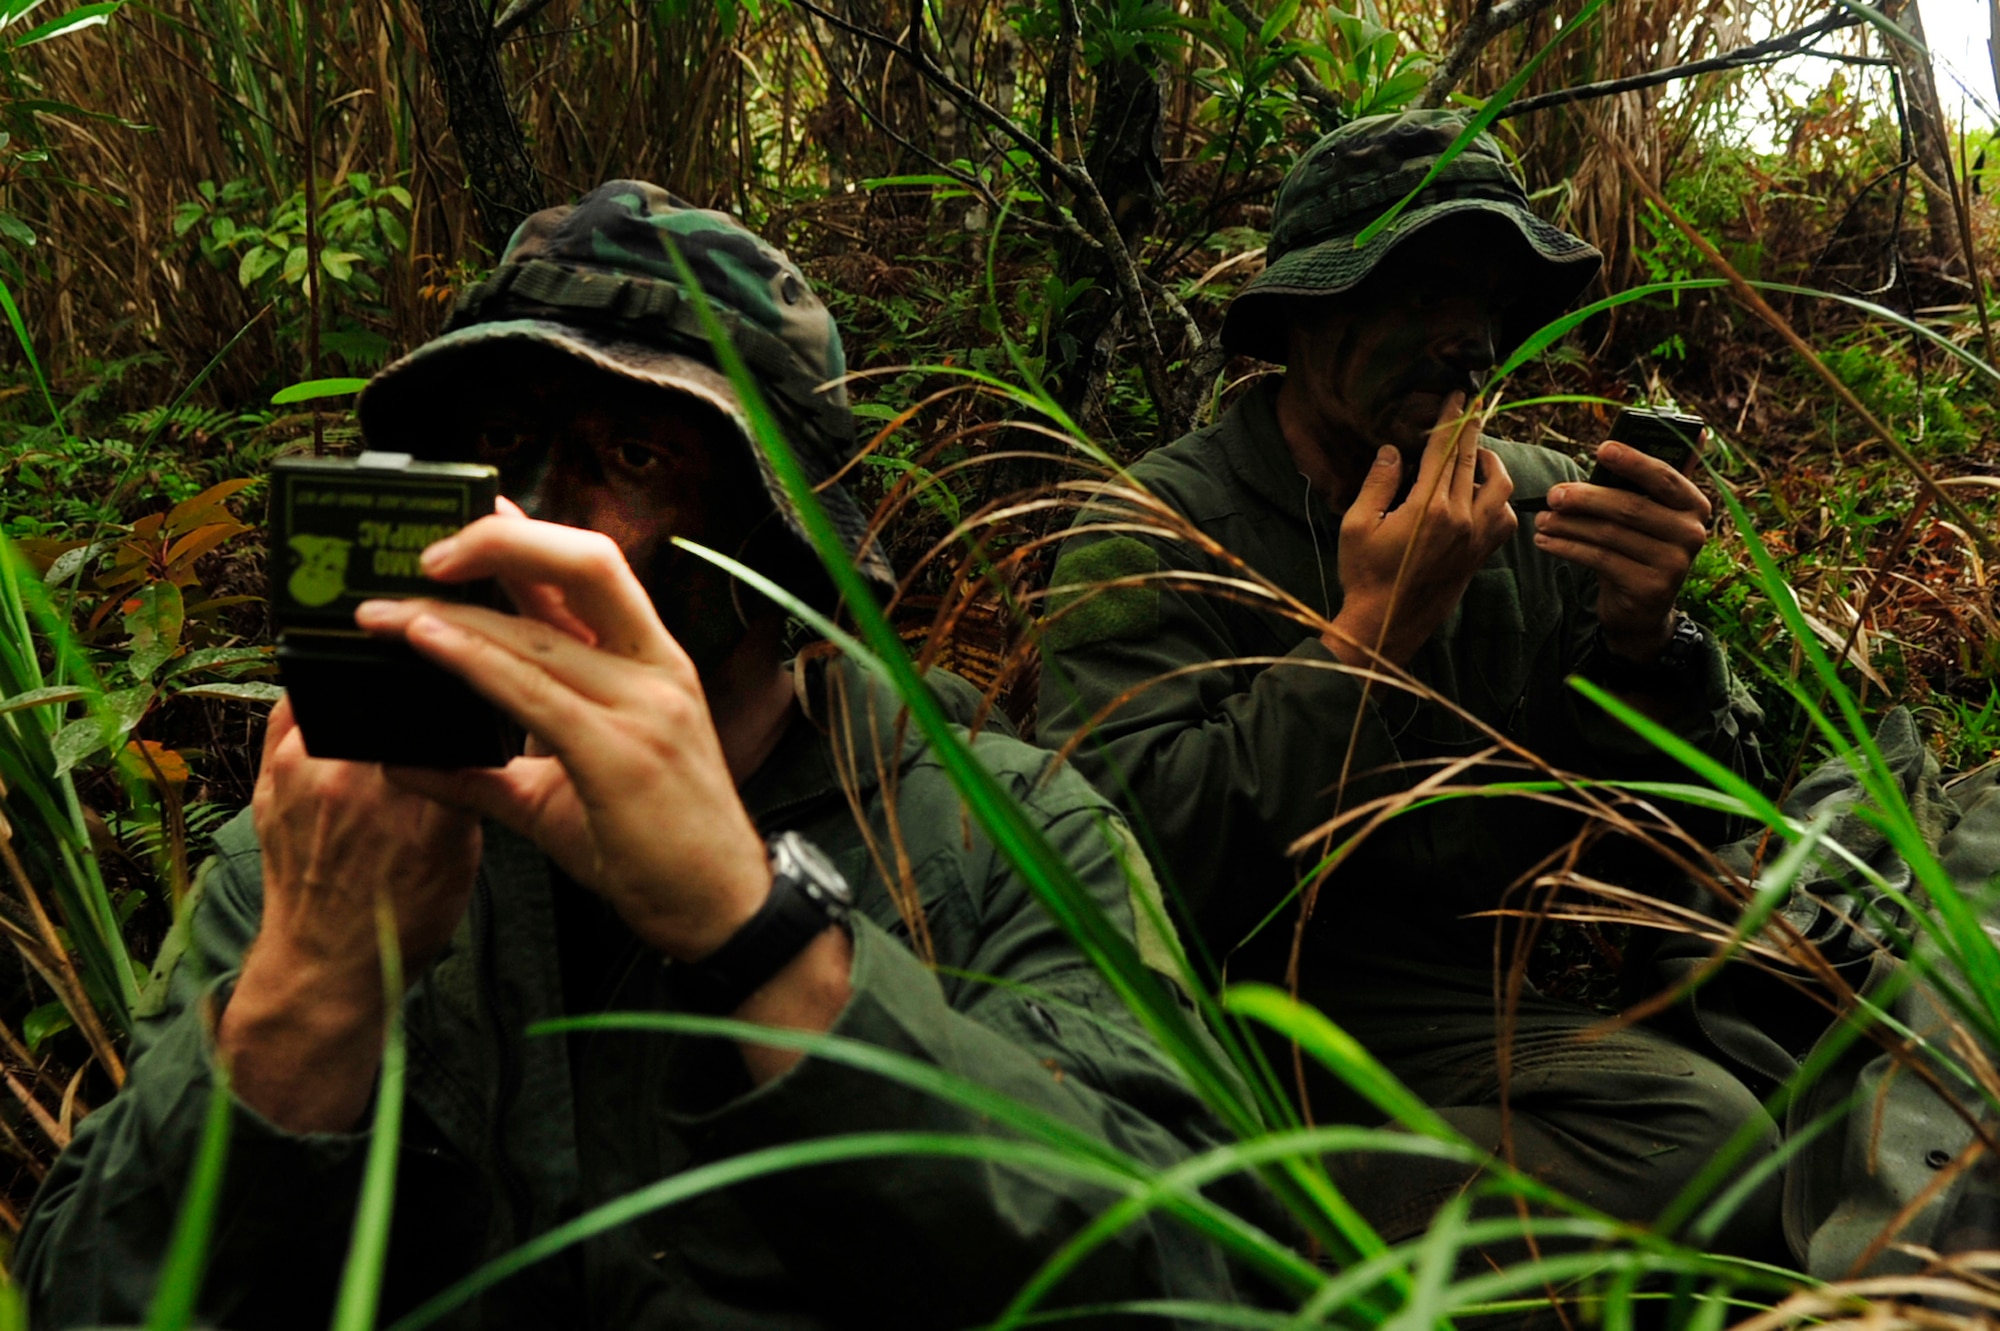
1359	485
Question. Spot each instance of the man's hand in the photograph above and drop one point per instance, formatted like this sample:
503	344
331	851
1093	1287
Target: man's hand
1402	569
1641	545
629	790
303	1028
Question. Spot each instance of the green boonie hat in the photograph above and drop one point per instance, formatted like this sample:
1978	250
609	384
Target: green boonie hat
595	280
1357	173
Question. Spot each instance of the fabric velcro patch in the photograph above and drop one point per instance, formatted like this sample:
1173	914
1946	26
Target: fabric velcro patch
1083	610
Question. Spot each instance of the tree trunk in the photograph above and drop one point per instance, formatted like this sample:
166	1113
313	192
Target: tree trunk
465	55
1930	143
1123	155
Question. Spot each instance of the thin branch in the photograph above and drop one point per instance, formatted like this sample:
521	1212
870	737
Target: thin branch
966	178
1096	214
1757	53
1473	36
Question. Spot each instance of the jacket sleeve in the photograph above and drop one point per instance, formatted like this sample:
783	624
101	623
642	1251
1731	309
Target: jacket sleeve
91	1248
946	1242
1223	767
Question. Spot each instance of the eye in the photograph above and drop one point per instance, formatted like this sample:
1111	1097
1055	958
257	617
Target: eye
637	457
498	443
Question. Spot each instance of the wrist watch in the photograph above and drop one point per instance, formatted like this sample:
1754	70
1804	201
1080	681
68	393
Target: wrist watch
1665	673
808	896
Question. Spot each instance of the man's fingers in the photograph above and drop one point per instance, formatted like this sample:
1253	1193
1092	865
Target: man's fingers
279	724
597	585
1466	430
458	636
1617	537
510	796
1664	522
1634	578
1655	479
1378	487
1441	450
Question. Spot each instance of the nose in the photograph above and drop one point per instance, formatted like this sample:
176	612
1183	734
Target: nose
1466	339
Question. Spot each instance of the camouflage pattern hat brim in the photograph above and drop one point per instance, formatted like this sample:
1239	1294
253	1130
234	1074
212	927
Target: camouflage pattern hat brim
1353	176
605	281
403	408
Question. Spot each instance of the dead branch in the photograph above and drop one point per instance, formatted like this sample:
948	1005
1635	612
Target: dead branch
1488	21
1757	53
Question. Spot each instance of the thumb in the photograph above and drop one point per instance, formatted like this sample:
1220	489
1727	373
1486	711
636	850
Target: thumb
1378	487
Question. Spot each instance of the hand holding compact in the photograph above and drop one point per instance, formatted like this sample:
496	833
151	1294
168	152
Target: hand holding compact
631	795
1640	543
1404	566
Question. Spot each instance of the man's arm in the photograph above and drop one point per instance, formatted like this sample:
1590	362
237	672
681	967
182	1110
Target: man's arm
91	1249
945	1242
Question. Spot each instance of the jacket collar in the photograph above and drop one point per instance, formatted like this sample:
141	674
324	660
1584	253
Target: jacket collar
849	724
1255	447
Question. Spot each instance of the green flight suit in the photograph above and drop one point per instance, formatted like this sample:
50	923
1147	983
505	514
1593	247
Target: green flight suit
509	1136
1221	769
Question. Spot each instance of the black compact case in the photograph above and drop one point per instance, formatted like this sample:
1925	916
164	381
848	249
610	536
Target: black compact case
1670	436
344	531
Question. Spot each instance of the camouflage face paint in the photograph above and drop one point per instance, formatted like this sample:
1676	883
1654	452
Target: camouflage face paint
642	465
1378	364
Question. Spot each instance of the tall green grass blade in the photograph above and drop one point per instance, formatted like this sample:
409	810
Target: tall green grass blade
174	1300
368	1249
1437	1258
1341	1054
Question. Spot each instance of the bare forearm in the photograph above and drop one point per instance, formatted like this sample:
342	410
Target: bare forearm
808	994
303	1043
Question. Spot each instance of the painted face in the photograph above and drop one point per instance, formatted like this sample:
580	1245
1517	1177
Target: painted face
1378	363
642	465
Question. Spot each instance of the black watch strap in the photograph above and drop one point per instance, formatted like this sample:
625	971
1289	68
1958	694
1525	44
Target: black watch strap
807	895
1669	672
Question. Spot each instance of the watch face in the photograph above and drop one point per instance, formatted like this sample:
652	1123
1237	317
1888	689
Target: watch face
812	867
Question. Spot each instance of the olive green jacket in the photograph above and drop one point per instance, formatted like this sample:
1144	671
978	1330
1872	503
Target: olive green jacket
1222	768
509	1136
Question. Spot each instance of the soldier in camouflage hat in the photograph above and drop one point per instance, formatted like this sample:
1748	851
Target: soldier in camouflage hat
595	283
1490	572
702	826
1350	177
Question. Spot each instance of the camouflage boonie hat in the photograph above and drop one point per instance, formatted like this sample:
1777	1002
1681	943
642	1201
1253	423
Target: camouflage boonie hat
594	280
1357	173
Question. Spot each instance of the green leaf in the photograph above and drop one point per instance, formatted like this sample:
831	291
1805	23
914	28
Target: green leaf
16	230
83	16
339	264
242	690
46	1020
312	389
257	261
1281	18
295	264
217	658
155	625
78	741
52	696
